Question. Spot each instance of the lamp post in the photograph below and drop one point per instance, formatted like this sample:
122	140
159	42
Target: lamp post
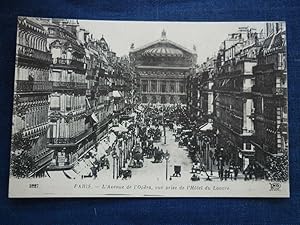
165	141
211	163
207	152
164	127
167	156
114	155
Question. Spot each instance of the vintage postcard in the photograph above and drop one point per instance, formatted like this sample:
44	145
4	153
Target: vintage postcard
149	109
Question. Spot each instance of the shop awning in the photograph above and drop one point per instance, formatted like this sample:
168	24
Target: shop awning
94	117
57	175
119	128
116	94
88	103
101	149
133	115
112	138
82	168
206	127
70	174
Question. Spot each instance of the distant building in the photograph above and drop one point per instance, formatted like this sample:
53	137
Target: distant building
163	67
32	90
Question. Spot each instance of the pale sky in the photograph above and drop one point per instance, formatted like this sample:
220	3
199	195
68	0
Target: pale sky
206	36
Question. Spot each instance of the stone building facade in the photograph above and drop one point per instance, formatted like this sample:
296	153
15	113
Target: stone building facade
31	94
270	96
163	67
233	99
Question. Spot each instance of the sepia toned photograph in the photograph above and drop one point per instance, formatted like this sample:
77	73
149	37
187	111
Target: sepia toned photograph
149	109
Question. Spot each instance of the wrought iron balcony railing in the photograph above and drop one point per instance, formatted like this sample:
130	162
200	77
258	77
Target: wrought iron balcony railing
33	86
35	54
71	140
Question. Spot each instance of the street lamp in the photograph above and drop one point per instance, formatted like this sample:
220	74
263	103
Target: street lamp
114	155
165	141
211	163
167	156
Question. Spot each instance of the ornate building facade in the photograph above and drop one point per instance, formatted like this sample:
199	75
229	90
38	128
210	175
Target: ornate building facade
270	97
31	96
233	100
69	131
163	67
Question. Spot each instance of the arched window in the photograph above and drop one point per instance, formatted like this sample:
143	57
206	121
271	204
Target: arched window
144	99
182	99
32	40
21	38
163	99
153	100
39	45
27	40
172	100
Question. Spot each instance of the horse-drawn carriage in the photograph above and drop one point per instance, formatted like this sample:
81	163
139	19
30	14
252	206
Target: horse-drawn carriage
138	159
158	156
177	171
125	173
155	133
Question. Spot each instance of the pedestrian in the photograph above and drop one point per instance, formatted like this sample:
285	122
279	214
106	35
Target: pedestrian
236	171
225	174
221	174
231	171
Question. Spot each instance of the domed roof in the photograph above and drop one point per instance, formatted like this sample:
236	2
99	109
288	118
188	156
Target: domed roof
163	51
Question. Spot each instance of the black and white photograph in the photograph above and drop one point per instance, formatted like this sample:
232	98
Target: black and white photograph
149	109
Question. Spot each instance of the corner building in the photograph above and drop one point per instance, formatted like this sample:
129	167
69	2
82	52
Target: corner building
233	98
270	97
69	131
163	67
32	90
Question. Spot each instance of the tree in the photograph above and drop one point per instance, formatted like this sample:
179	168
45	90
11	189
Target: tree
22	162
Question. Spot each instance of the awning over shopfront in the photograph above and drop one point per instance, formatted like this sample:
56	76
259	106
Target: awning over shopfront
57	175
116	94
112	138
101	149
70	174
82	168
119	128
94	117
88	103
132	115
206	127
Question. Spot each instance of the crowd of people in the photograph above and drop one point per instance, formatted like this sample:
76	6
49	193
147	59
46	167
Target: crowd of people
207	156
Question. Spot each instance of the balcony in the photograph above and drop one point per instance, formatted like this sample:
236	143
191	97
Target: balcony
62	85
280	91
71	140
246	89
33	86
28	53
102	87
69	63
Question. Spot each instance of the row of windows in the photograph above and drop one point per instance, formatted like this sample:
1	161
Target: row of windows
162	87
61	129
67	76
66	102
36	116
27	73
163	99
